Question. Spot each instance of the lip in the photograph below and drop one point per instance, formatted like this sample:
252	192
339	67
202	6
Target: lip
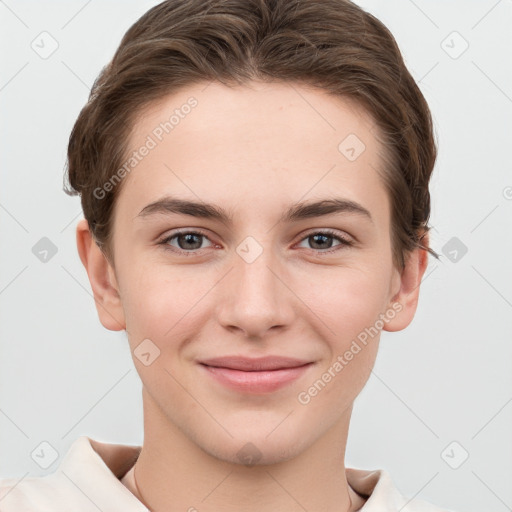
249	364
262	375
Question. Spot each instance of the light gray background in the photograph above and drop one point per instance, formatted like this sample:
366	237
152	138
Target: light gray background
446	378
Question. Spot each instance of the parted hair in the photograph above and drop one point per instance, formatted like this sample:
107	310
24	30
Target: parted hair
333	45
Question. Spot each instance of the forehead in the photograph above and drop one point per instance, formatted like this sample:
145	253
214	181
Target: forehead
255	142
254	111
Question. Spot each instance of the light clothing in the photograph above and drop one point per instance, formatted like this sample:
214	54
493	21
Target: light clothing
95	476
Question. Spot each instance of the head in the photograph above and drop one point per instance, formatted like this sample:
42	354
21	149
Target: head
254	110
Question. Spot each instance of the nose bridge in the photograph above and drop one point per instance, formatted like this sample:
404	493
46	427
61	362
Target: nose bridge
257	300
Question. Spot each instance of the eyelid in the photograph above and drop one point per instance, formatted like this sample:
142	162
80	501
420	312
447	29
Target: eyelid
164	239
331	232
342	238
182	231
345	242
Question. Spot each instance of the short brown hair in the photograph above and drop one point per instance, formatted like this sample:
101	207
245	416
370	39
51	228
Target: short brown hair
331	44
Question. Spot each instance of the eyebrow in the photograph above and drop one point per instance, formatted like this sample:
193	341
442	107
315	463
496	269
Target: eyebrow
296	212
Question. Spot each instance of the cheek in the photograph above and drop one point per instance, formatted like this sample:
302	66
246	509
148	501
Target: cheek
163	303
339	382
350	310
348	301
160	302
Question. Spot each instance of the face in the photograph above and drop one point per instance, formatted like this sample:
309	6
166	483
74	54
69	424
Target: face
258	272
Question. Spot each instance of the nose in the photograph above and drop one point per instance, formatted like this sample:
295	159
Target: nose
256	296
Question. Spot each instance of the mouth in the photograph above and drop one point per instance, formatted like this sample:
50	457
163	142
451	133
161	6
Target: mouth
262	375
255	364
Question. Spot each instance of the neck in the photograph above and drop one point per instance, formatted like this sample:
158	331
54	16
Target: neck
174	470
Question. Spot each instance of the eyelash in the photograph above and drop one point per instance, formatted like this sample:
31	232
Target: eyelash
344	242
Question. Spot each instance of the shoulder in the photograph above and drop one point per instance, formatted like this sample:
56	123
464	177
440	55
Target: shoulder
45	493
417	505
31	494
381	494
87	479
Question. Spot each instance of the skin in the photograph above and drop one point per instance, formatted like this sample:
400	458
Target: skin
253	150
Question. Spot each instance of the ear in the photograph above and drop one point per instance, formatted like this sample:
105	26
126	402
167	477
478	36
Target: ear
102	278
405	300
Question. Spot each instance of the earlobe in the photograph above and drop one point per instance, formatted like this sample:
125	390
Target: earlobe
405	301
102	278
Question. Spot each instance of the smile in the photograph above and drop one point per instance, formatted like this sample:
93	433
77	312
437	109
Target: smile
255	381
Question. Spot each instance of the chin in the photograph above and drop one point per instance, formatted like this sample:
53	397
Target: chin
258	449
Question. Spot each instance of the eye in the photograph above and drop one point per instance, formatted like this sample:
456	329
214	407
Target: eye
322	241
191	242
185	241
